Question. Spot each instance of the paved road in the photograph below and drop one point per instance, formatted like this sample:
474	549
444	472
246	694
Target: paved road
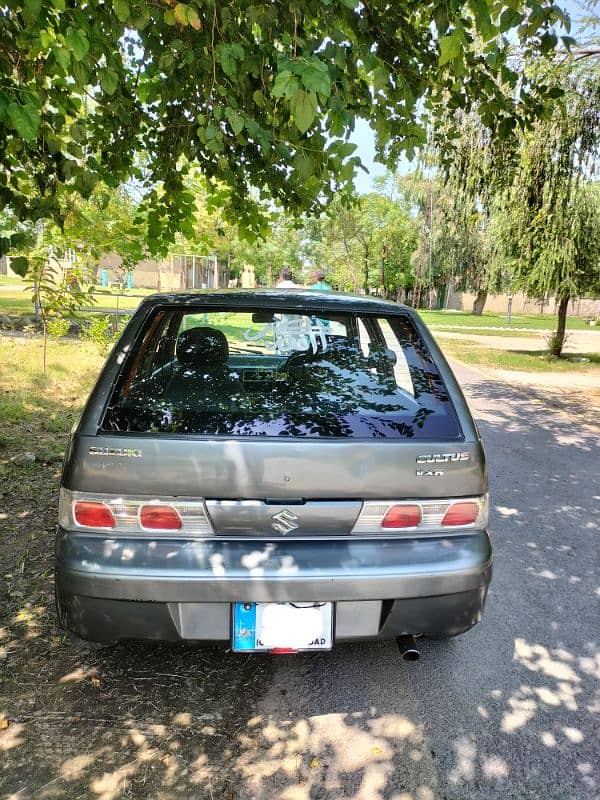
576	341
510	710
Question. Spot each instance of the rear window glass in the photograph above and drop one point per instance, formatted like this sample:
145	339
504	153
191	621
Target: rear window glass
268	373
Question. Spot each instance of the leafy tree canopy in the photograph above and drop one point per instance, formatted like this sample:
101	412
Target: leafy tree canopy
261	96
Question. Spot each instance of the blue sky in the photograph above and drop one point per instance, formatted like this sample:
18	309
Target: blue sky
364	139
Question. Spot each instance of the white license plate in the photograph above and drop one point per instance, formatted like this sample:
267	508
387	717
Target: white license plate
282	626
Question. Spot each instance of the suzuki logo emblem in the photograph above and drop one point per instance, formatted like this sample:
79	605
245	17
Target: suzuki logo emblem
284	521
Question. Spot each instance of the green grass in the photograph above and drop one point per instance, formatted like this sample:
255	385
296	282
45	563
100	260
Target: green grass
17	298
34	406
489	319
521	360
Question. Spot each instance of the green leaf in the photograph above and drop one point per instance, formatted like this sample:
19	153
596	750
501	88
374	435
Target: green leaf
78	42
77	131
483	19
63	57
25	120
226	56
46	39
235	120
315	78
109	80
450	47
510	19
303	106
122	11
80	72
259	98
20	265
285	84
381	79
33	8
304	165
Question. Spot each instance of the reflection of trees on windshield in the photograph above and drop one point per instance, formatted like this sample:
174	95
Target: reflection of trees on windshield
338	392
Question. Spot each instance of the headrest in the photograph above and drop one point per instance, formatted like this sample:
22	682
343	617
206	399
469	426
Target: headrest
202	347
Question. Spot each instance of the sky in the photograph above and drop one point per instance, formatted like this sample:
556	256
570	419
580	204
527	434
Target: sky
364	138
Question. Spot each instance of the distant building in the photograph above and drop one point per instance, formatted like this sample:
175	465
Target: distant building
174	273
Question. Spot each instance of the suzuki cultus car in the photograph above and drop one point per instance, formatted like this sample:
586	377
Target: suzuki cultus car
280	470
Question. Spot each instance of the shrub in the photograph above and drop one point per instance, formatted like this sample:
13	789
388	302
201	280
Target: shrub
57	327
100	331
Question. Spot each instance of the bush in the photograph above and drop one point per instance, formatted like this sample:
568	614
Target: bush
58	327
100	331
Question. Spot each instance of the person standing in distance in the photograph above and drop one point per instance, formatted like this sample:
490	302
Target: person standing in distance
319	281
286	280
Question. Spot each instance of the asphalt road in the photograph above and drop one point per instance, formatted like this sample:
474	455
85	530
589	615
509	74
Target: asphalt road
509	710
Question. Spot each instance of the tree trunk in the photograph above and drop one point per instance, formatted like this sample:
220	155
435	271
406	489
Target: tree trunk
479	302
558	339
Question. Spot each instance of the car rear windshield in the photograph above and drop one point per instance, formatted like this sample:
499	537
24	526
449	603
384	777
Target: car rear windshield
273	373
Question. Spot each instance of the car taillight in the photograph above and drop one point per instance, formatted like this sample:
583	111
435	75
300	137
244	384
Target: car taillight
461	514
413	517
93	515
133	515
402	517
161	518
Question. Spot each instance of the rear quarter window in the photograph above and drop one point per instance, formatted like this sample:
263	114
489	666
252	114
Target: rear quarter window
265	372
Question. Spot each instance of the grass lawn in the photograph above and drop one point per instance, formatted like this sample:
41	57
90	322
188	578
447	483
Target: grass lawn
523	360
17	299
38	410
489	319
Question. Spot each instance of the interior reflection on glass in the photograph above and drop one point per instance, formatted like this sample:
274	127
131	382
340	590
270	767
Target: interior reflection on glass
267	373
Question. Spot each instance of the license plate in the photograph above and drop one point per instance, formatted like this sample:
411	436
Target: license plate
273	626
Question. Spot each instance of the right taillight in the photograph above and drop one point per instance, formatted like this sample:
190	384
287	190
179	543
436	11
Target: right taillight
461	514
402	517
414	517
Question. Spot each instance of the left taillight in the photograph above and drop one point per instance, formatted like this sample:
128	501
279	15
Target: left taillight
93	515
143	516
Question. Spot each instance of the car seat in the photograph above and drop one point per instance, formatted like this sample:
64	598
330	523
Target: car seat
201	376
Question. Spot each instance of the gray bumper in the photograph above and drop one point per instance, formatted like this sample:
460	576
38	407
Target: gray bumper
96	576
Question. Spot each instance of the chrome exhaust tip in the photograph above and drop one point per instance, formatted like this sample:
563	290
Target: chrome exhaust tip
408	648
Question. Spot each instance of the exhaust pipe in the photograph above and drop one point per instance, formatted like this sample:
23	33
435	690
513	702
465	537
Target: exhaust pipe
408	648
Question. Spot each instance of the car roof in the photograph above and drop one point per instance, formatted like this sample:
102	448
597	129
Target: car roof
288	299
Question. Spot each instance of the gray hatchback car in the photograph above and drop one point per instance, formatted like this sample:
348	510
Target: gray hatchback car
281	470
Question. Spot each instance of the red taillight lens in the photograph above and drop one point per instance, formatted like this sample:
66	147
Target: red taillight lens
93	515
160	518
402	517
461	514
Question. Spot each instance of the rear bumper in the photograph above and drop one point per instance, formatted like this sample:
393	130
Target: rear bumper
109	589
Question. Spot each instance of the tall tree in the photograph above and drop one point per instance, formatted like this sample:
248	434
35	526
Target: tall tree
258	95
551	217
